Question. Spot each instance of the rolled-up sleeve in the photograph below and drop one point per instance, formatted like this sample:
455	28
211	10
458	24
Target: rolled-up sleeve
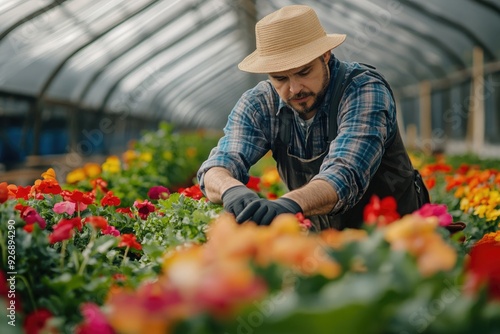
247	135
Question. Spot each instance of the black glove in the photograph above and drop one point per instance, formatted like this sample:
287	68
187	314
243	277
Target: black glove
236	198
263	211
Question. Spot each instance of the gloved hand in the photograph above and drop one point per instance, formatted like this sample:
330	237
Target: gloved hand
236	198
263	211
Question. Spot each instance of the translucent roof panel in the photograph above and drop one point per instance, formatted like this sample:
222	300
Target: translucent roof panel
177	59
32	58
144	30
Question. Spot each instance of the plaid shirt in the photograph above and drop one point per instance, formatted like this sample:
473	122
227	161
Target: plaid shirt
366	125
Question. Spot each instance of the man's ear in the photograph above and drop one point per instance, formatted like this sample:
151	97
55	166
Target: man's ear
326	56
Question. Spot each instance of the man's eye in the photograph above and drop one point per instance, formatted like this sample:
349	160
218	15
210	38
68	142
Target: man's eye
279	78
304	73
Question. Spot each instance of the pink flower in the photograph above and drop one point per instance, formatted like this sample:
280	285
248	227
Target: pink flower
94	321
436	210
111	230
158	192
65	207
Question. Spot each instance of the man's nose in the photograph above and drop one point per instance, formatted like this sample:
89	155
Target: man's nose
295	86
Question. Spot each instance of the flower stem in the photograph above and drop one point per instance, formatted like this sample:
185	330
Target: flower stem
86	252
29	290
125	255
63	254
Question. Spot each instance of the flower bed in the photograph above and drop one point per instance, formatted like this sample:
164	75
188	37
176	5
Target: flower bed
79	258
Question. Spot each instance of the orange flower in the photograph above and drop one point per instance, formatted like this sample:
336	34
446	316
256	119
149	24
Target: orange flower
418	236
50	174
92	170
4	192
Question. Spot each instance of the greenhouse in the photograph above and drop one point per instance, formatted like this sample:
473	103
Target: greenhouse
147	183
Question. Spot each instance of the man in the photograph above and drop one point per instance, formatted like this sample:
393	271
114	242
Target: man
331	127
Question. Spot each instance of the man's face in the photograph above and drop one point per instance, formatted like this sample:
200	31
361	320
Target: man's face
303	88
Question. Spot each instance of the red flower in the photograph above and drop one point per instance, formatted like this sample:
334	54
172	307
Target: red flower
23	192
49	186
484	269
125	211
35	322
144	208
100	184
81	199
64	230
110	200
129	240
380	212
98	222
253	183
194	192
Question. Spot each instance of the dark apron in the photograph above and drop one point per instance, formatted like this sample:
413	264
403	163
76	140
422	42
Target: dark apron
395	176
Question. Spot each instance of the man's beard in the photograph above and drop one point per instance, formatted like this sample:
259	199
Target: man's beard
318	98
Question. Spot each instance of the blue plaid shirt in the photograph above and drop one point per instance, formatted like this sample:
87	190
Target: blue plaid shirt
366	125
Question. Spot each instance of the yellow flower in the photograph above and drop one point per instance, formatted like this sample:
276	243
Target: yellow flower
493	215
146	156
75	176
464	204
112	165
270	177
129	156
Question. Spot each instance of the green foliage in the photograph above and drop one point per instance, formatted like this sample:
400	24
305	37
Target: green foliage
178	220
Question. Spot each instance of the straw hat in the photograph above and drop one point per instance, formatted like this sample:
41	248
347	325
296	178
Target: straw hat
288	38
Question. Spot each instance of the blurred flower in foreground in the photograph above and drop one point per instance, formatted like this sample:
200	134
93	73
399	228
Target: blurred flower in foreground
37	322
94	321
483	267
419	237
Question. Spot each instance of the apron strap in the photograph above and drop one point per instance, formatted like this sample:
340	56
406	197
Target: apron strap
334	103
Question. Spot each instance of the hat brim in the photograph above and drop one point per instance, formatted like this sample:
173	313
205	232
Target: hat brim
290	59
